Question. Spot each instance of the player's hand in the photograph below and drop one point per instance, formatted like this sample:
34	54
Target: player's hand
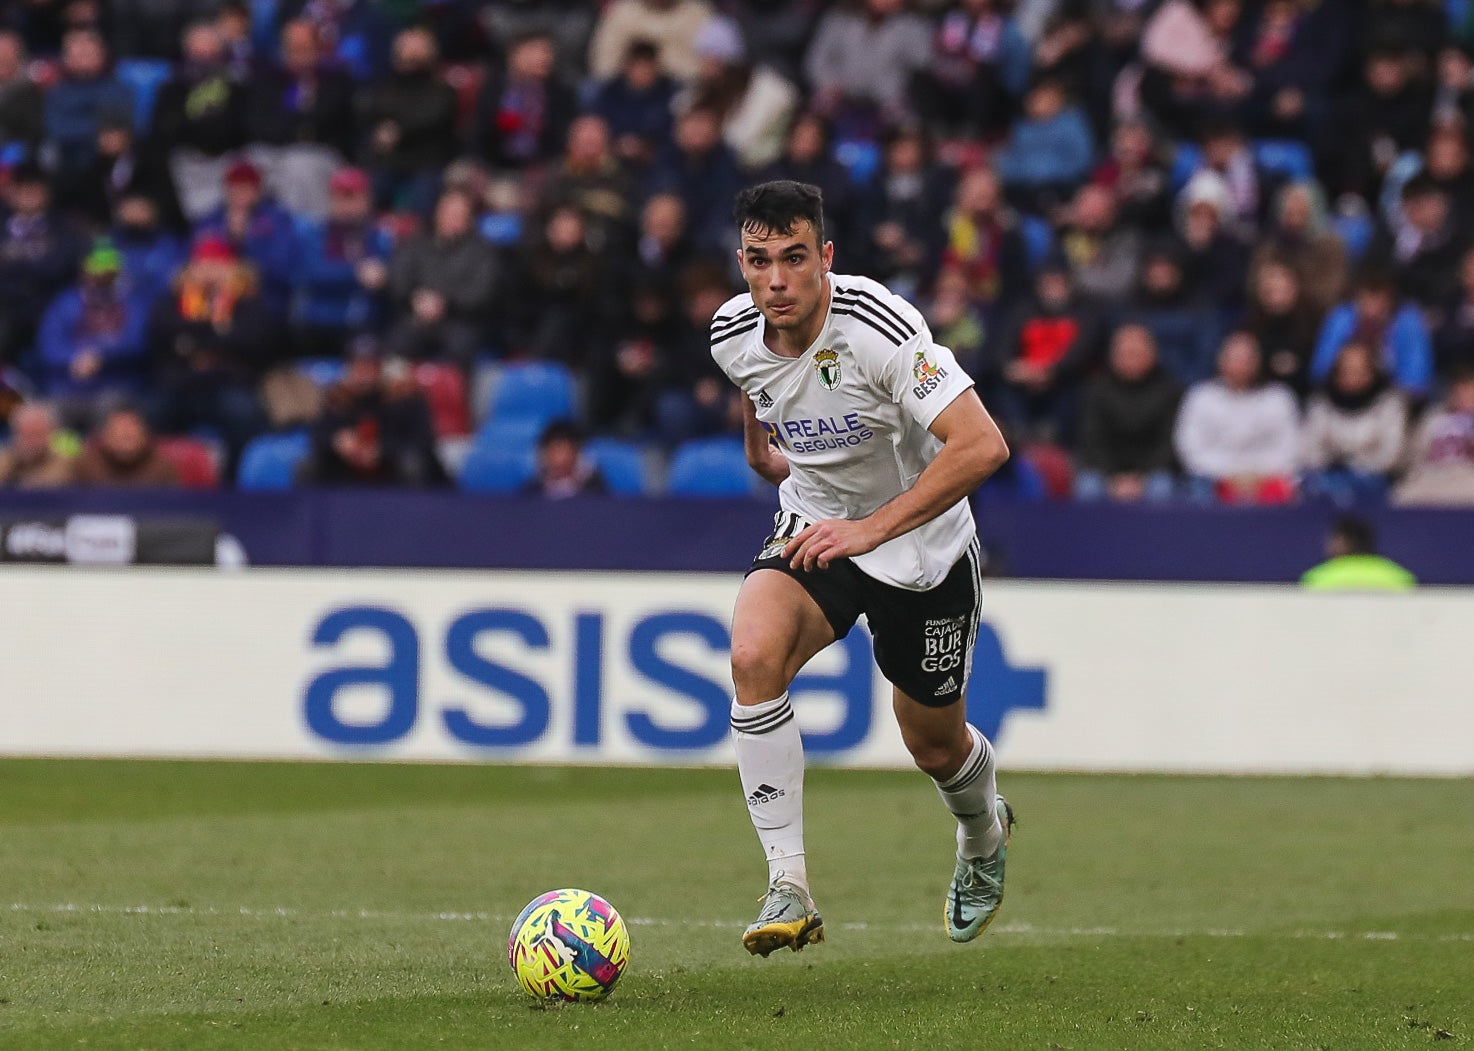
823	542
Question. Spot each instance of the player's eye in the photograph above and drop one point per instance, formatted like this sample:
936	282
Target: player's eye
794	260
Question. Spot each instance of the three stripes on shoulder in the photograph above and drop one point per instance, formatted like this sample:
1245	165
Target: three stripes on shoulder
865	307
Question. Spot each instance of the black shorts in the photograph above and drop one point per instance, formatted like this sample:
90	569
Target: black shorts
923	639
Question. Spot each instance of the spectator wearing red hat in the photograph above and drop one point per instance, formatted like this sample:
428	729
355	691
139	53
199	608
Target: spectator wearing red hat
342	268
258	229
215	339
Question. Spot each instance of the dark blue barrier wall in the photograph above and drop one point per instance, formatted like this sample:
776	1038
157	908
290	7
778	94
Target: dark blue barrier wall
354	528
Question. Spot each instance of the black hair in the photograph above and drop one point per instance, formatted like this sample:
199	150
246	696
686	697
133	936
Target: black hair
779	206
1356	533
642	50
560	431
1420	185
29	172
1377	280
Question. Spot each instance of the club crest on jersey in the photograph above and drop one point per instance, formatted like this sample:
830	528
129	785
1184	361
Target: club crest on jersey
928	376
826	362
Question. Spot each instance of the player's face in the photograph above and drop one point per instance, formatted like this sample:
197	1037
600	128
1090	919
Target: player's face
785	272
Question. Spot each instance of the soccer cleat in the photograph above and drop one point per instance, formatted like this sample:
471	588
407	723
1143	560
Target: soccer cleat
976	892
788	918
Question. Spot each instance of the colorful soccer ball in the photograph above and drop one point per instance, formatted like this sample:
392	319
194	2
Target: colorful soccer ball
568	945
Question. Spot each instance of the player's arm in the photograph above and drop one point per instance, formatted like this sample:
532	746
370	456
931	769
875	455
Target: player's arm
972	449
762	455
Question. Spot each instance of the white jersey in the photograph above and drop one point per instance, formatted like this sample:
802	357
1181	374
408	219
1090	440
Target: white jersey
851	415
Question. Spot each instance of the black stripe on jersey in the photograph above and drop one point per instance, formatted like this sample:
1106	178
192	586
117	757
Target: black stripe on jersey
717	324
867	319
728	333
885	307
855	307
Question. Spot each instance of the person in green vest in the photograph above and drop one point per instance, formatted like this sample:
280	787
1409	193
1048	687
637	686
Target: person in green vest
1352	563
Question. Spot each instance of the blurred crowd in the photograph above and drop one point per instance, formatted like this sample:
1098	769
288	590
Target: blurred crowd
1190	249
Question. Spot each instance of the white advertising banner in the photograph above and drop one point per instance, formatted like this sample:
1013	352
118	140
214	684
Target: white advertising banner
632	668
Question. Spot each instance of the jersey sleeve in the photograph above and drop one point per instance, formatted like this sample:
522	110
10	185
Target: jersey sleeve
923	377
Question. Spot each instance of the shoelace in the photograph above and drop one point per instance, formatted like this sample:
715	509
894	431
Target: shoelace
774	902
976	876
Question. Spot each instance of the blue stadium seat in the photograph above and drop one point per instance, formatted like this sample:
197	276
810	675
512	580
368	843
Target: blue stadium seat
711	467
1355	232
1284	157
1038	239
270	462
537	391
860	158
621	463
502	230
144	76
517	433
502	460
1186	159
325	372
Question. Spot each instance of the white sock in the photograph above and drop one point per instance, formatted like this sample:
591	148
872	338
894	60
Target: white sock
770	761
970	794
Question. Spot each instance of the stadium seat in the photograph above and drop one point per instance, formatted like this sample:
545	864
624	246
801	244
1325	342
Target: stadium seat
144	76
1186	159
537	391
502	229
711	467
270	462
325	372
621	463
860	158
1038	239
1355	231
193	460
1284	157
502	460
444	387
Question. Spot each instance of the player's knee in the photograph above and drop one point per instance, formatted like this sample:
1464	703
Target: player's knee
757	672
935	759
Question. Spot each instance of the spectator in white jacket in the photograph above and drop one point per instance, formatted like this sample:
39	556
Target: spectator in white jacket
1237	436
1355	430
754	101
1442	463
671	25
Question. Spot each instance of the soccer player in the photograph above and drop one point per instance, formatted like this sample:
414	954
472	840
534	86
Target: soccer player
875	438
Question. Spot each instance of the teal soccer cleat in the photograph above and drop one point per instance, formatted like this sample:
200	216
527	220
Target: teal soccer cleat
976	892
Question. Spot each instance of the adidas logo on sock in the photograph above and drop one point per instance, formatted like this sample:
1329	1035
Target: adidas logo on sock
946	687
764	794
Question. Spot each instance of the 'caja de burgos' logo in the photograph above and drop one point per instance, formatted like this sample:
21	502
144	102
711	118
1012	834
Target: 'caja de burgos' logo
826	362
928	376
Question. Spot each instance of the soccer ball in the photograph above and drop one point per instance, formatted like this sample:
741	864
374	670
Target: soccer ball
568	945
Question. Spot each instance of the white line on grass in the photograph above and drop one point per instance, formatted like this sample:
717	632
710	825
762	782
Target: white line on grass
648	921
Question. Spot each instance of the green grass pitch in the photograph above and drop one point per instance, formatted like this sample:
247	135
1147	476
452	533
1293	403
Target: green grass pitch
346	907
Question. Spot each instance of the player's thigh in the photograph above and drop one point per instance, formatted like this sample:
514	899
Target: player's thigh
776	627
